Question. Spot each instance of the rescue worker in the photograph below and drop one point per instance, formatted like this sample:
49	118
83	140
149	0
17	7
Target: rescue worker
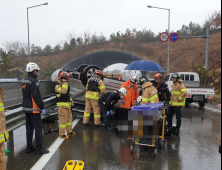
149	92
162	88
178	99
107	101
64	103
3	131
32	107
94	88
132	94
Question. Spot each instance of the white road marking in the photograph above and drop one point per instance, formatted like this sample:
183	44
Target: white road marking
40	164
207	108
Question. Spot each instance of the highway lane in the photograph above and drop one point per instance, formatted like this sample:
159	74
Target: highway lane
195	148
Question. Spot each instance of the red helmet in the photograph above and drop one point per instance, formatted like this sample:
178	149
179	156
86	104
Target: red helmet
159	75
64	75
99	73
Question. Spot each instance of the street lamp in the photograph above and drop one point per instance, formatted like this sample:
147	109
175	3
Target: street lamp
28	25
168	58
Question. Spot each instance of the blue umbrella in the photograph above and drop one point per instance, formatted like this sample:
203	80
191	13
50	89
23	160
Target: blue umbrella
145	65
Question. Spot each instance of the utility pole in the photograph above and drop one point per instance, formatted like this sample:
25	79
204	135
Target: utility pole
207	48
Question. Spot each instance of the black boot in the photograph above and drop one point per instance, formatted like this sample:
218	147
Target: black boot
177	131
86	124
30	150
98	126
41	151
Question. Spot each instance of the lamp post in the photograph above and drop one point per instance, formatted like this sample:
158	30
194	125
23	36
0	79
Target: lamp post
168	58
28	25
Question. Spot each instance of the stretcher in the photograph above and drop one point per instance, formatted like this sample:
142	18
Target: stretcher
152	142
74	165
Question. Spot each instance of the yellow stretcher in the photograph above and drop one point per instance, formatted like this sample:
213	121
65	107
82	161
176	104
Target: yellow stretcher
74	165
138	141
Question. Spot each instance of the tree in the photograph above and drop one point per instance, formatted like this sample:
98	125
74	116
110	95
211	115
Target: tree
48	50
73	42
48	70
94	39
191	29
7	65
213	21
36	50
56	49
67	47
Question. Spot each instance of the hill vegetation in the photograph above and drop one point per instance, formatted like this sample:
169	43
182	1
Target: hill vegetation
185	55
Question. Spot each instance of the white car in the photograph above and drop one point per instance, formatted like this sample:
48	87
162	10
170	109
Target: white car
195	93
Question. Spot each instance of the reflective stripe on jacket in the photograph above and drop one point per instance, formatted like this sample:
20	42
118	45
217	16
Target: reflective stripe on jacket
32	100
62	94
95	95
178	94
4	137
3	131
149	93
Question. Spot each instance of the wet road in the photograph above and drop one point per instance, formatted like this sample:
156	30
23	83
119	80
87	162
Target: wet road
195	148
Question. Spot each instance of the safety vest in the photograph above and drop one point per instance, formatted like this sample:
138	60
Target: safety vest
63	100
151	99
181	103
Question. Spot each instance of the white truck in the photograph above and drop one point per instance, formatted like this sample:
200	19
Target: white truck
195	93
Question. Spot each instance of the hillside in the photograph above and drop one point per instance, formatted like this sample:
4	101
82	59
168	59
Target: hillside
182	54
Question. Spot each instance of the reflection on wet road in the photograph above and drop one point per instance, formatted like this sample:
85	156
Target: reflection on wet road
195	148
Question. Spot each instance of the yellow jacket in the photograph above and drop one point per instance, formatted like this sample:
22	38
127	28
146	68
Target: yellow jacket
3	130
96	95
178	94
149	93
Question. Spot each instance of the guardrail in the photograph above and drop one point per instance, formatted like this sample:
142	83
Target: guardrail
13	92
16	118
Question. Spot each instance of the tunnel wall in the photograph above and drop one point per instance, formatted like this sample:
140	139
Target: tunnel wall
102	59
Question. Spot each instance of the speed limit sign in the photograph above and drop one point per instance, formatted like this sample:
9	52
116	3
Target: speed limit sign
164	36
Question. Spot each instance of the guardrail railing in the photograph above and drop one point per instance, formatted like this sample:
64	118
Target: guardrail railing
13	91
16	118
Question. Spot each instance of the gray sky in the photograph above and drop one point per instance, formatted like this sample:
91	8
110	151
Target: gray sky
50	24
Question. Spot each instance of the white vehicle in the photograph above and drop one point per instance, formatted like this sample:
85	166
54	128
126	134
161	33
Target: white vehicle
195	93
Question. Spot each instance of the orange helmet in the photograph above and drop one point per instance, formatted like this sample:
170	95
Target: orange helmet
64	75
159	75
99	73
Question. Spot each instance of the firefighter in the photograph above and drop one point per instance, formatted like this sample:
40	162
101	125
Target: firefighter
107	101
162	88
94	88
131	96
32	107
64	103
3	131
178	99
149	92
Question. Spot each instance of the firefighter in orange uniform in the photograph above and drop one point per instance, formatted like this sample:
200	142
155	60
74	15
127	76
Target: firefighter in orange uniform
3	131
132	94
64	103
94	88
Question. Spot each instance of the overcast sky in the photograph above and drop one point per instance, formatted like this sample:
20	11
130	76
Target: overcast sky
50	24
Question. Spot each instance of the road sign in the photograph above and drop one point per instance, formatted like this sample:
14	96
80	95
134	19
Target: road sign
164	36
174	37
